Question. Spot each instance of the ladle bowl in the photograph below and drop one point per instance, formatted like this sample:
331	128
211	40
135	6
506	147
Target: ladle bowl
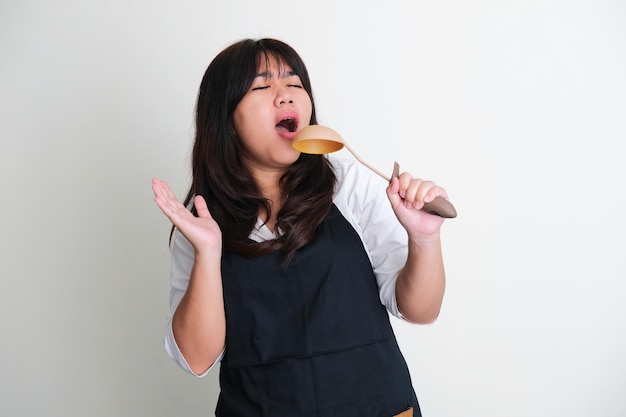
318	139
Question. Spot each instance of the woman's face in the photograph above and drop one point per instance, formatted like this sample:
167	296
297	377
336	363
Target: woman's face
269	116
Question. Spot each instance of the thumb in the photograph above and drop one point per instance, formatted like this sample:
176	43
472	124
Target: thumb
201	207
393	192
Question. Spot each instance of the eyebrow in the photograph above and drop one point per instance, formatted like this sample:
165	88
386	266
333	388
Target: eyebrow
268	74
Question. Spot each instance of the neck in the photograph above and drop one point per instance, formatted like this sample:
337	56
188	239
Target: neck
269	185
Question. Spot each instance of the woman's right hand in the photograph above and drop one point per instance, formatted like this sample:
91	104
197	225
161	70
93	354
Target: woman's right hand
202	232
199	322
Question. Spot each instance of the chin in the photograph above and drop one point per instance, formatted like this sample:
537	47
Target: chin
288	158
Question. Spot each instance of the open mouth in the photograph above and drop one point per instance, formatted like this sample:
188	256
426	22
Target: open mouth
288	124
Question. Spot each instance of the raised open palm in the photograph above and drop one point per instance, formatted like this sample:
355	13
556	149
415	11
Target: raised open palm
202	231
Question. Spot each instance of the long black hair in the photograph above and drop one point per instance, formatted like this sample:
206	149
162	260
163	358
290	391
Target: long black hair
219	173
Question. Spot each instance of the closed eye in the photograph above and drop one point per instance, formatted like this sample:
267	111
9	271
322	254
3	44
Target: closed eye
265	87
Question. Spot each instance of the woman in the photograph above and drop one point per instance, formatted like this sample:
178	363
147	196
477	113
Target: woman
286	265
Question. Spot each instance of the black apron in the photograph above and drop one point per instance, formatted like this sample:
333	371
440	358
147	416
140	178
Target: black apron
311	339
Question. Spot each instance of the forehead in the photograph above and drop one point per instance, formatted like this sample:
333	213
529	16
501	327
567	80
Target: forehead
273	66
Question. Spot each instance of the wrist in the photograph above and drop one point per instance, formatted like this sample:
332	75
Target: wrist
422	240
208	255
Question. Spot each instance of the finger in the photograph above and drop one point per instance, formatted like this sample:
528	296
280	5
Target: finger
423	190
158	190
412	191
435	192
156	186
409	188
418	191
167	193
404	180
201	207
166	200
161	189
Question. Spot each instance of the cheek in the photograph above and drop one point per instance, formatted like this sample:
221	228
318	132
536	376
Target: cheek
307	109
237	117
247	121
241	120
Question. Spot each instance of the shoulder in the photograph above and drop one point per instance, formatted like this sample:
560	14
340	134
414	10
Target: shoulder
360	195
356	186
352	174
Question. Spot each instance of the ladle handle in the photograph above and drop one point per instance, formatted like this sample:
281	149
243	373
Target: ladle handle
440	207
358	158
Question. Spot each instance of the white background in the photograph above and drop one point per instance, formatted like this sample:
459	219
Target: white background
518	108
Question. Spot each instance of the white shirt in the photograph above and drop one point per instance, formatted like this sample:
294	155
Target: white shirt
360	196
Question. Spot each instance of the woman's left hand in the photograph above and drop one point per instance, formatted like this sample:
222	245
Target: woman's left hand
407	196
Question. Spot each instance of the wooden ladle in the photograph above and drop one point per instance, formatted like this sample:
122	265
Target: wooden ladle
318	139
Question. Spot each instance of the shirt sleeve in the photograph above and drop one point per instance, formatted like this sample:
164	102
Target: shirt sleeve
180	270
362	199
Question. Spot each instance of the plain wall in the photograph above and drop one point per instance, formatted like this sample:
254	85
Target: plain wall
518	108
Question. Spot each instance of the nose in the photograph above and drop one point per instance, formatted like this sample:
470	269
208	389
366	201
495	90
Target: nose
283	96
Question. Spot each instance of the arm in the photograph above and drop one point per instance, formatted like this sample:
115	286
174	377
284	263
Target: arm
198	324
421	283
